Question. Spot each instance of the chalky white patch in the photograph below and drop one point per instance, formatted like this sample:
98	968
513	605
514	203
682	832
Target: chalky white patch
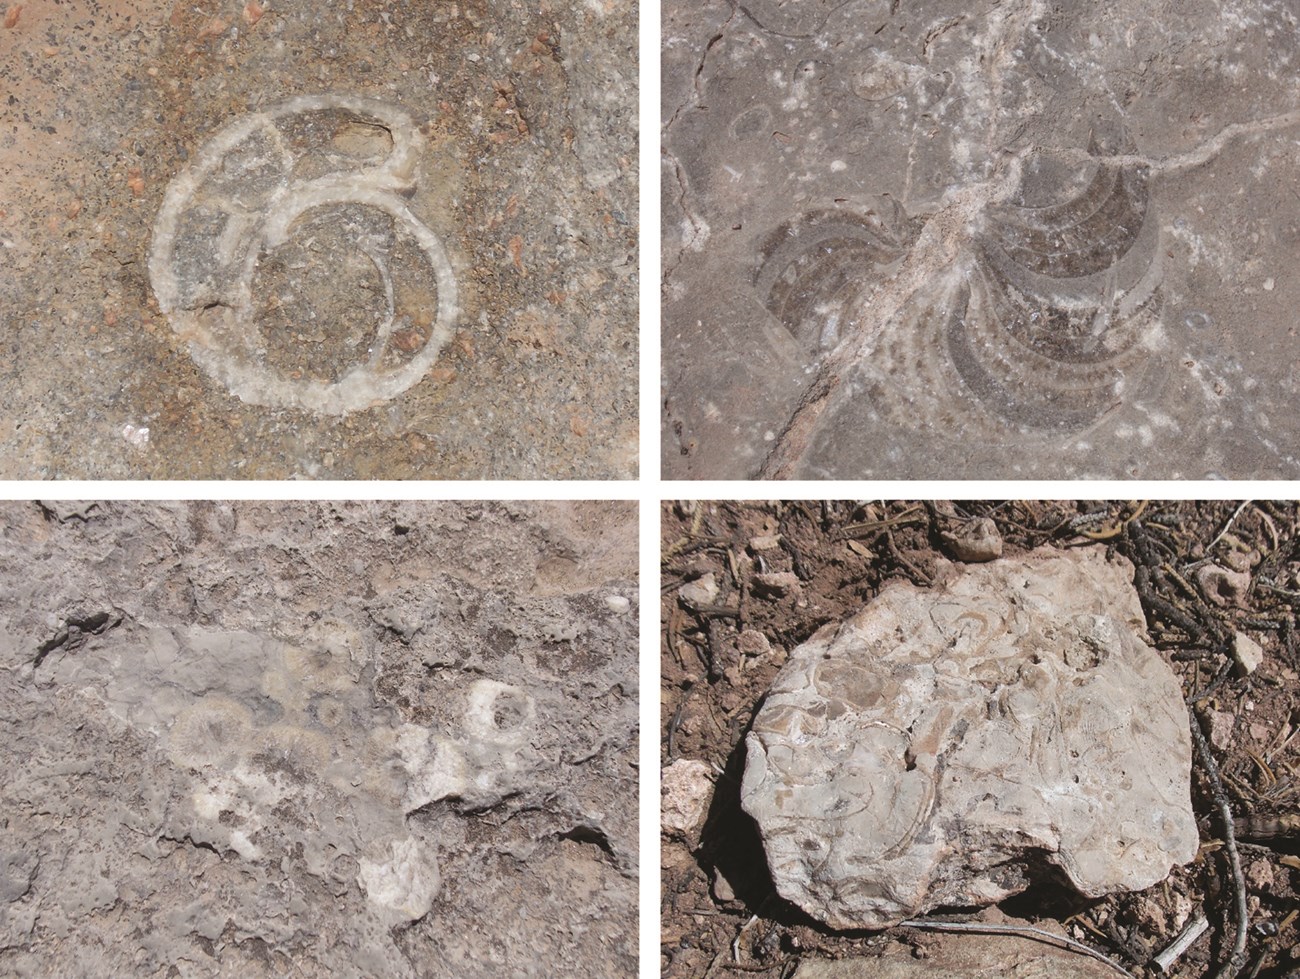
406	883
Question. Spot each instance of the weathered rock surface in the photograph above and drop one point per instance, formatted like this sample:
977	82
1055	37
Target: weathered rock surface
938	747
220	230
905	241
318	739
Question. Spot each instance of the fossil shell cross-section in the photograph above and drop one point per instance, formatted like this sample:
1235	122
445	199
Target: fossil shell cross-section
286	217
915	241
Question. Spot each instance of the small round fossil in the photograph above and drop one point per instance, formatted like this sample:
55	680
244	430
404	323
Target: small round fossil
214	732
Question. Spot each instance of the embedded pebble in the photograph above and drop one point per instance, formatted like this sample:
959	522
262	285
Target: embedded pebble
1223	587
1221	727
701	591
1247	653
776	584
722	889
751	642
973	540
685	787
1259	875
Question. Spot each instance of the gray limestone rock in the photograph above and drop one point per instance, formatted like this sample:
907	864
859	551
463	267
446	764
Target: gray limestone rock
910	240
320	739
940	745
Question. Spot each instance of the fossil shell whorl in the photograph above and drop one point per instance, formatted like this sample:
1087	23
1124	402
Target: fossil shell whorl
813	269
288	256
1045	322
1081	236
1063	305
1044	367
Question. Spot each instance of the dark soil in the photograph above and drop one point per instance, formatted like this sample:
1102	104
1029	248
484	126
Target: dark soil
714	680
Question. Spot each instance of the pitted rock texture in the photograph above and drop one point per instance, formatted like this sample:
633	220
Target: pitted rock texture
912	240
256	739
938	747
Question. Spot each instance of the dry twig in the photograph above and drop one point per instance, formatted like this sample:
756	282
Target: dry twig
1025	931
1227	526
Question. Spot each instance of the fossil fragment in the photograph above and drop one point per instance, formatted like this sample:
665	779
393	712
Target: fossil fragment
813	270
253	723
211	733
941	746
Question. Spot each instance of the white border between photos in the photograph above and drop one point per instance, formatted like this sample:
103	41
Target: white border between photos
649	490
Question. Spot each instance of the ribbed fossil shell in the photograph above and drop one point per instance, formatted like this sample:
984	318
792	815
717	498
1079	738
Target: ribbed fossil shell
1046	321
813	270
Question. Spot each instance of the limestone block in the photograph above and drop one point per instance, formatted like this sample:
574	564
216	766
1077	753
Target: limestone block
941	744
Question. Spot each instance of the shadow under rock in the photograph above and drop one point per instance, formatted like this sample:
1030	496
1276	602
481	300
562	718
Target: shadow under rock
731	845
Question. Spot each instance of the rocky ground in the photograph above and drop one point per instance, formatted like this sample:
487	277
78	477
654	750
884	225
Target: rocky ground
470	274
263	739
744	583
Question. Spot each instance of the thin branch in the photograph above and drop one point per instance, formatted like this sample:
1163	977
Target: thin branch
1024	931
1194	930
1232	519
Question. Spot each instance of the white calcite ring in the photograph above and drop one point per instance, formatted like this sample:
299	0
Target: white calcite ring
293	173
